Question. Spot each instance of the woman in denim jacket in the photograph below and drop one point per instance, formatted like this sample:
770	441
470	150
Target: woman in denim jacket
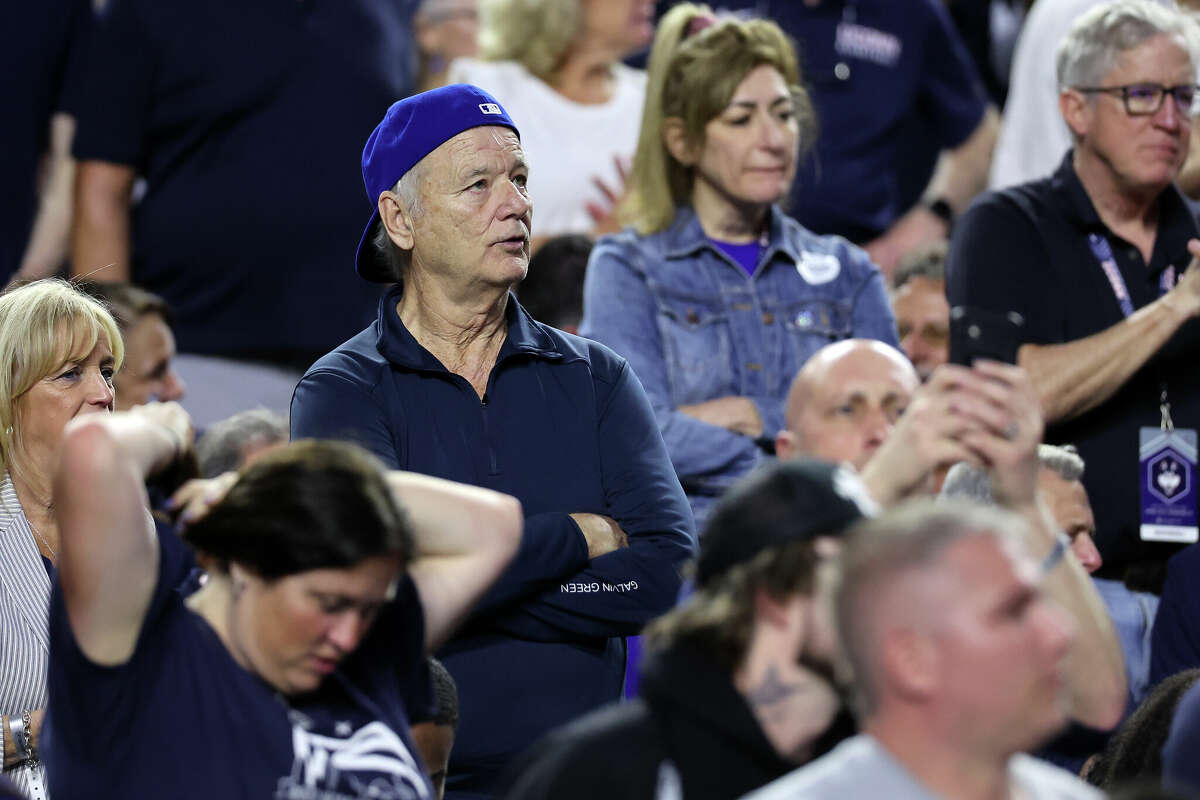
715	296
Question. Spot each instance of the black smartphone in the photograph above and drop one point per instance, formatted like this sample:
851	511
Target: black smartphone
981	333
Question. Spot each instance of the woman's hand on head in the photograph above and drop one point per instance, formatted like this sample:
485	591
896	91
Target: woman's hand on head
199	496
173	418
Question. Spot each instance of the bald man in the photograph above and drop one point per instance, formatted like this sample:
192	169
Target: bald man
845	400
860	401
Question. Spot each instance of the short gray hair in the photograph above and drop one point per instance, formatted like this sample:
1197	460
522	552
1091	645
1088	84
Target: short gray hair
927	262
223	446
1091	48
910	538
408	193
967	482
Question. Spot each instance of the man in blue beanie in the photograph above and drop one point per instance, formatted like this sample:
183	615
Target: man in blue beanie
454	379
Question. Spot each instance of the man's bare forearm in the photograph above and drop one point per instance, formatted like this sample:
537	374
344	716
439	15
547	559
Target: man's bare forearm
962	173
100	238
1075	377
47	247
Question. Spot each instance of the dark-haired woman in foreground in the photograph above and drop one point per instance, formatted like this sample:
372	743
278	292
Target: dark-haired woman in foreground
278	679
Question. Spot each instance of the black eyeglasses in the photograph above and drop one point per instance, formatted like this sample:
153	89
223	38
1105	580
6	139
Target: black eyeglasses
1143	99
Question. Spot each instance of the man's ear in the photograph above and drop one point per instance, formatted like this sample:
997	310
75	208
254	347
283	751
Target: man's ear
1076	112
675	139
910	662
785	445
396	220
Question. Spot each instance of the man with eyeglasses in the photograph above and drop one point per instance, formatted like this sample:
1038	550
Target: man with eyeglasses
1099	260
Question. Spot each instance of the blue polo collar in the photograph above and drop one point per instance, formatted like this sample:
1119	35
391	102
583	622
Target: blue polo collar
685	236
401	348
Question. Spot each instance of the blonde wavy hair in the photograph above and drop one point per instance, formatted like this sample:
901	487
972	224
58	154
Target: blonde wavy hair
44	325
692	77
534	33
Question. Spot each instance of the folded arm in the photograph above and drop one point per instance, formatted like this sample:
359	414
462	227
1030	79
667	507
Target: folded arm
617	593
709	442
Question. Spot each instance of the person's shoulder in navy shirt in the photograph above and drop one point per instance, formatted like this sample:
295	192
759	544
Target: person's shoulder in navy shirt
1175	638
1180	764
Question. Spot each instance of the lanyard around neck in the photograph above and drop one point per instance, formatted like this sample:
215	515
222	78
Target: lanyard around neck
1102	250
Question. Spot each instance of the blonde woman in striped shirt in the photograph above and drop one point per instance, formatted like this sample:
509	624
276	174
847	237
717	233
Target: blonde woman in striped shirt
58	352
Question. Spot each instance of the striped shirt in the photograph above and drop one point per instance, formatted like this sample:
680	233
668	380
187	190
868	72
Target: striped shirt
24	636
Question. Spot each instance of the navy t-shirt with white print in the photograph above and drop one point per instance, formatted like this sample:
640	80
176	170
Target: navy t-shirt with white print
182	719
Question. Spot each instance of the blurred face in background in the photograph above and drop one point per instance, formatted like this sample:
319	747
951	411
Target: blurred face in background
447	29
1069	506
1000	645
148	374
622	26
923	322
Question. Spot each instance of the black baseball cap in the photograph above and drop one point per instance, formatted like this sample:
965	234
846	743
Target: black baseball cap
784	502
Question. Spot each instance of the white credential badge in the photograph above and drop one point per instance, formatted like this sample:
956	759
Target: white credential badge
818	268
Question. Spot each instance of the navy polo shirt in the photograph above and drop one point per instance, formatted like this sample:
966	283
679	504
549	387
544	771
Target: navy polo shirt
876	70
1025	249
247	120
564	427
42	46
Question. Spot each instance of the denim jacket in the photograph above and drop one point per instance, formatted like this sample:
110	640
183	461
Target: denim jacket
695	327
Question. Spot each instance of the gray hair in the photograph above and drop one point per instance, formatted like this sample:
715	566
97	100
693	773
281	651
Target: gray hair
408	193
913	537
967	482
223	446
927	262
1064	461
1091	48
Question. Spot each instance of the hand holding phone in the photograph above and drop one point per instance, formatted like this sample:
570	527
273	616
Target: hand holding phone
982	333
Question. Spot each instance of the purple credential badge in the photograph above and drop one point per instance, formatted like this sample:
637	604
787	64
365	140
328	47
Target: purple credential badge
1168	478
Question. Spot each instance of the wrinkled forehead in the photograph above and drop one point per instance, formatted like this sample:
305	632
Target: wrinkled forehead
491	146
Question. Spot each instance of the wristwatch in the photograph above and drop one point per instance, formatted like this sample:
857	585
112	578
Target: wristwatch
940	208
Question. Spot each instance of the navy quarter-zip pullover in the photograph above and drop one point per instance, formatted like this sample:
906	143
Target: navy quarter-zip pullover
565	427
